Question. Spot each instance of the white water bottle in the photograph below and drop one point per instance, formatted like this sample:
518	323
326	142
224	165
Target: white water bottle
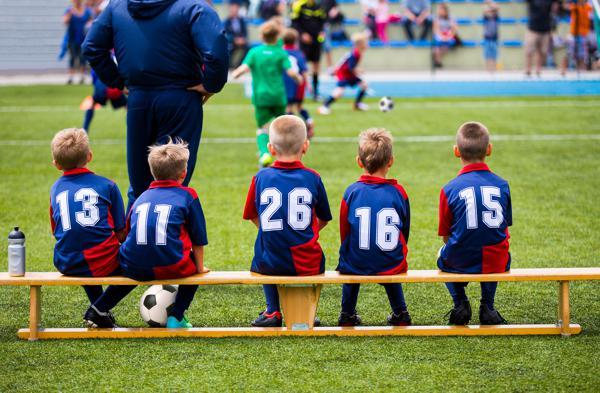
16	253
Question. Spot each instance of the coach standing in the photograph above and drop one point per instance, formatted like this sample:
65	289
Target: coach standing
172	56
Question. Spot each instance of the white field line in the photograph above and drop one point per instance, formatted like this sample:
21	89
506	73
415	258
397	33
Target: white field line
399	105
402	139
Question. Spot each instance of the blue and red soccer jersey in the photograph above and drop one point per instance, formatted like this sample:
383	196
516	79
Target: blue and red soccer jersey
287	199
374	227
103	93
475	213
346	70
85	211
295	91
164	222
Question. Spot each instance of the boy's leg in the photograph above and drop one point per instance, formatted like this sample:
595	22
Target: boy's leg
396	297
93	292
185	295
272	298
87	119
111	297
350	298
488	293
361	93
263	116
457	291
337	93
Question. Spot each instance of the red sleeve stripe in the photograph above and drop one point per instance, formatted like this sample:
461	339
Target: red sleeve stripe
445	216
344	224
250	207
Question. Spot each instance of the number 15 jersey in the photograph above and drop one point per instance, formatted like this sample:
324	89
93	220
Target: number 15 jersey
475	213
287	199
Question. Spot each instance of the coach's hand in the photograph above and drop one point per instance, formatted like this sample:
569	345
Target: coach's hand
203	92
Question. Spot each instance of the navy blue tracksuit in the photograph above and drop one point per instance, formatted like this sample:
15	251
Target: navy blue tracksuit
162	47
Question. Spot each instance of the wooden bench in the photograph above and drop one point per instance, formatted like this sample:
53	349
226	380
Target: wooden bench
299	299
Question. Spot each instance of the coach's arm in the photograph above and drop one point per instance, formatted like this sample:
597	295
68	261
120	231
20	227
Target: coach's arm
97	49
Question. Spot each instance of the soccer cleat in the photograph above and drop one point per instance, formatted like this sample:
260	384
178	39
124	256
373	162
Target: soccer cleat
460	315
402	319
268	320
361	106
488	316
346	319
323	110
317	322
173	323
97	319
265	160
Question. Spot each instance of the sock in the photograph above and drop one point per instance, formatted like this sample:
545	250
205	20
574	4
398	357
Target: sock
262	140
87	120
457	291
304	114
272	297
185	295
360	96
315	84
328	101
93	292
112	296
396	297
488	293
350	298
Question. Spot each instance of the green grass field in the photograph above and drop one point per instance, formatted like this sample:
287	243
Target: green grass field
554	183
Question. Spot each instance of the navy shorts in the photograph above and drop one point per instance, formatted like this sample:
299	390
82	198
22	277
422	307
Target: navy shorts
348	82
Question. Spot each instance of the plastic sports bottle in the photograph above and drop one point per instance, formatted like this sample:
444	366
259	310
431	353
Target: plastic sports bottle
16	253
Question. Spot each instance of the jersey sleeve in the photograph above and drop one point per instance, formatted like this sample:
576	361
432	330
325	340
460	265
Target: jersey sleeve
52	222
508	213
285	61
249	59
250	207
302	64
445	216
322	206
196	224
344	223
117	210
406	225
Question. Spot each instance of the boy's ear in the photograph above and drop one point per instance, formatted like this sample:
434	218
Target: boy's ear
271	149
456	152
57	165
488	152
90	156
182	176
360	163
389	165
305	146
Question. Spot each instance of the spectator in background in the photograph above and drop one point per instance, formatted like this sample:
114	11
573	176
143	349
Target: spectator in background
445	34
334	18
490	35
270	8
237	35
537	38
75	18
369	9
417	13
577	43
383	19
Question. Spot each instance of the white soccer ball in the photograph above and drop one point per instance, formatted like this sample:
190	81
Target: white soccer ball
386	104
156	303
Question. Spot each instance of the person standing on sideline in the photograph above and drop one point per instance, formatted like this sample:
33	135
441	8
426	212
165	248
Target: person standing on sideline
76	17
172	56
537	37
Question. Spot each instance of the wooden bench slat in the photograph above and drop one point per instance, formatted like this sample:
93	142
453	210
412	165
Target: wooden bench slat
329	277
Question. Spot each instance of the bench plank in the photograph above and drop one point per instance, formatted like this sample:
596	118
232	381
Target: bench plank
329	277
472	330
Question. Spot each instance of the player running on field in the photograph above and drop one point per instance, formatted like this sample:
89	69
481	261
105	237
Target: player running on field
347	76
267	62
102	94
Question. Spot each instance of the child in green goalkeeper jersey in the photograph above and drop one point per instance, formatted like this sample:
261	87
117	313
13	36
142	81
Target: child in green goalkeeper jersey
267	62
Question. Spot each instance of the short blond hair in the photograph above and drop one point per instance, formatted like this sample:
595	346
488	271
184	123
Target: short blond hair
472	140
269	31
359	37
375	148
287	134
168	161
70	148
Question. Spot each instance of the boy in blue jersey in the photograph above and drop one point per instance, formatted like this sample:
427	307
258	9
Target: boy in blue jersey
86	215
102	94
167	230
474	215
374	228
288	204
295	91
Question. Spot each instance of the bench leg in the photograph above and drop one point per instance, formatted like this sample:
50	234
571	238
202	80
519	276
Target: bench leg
564	318
299	305
35	311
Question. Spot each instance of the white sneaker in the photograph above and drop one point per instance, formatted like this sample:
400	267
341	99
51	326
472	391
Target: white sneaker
361	106
323	110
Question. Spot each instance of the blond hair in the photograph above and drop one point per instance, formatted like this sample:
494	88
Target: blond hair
290	36
269	31
375	148
168	161
70	148
287	134
472	140
359	37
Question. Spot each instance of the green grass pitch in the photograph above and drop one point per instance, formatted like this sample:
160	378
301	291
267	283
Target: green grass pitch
554	187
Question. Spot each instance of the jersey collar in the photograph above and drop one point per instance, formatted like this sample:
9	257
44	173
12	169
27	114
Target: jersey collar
289	47
479	166
288	165
76	171
164	184
376	180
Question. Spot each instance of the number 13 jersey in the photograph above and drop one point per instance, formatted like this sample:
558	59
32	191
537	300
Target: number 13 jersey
287	199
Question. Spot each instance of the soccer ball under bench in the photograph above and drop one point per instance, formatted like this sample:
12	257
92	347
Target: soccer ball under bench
156	303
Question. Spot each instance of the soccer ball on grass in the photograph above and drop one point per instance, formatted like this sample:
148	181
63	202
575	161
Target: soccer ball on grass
386	104
156	303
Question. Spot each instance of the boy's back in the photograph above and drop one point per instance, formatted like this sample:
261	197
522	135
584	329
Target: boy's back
374	227
345	71
85	211
287	198
165	221
267	63
475	213
298	63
